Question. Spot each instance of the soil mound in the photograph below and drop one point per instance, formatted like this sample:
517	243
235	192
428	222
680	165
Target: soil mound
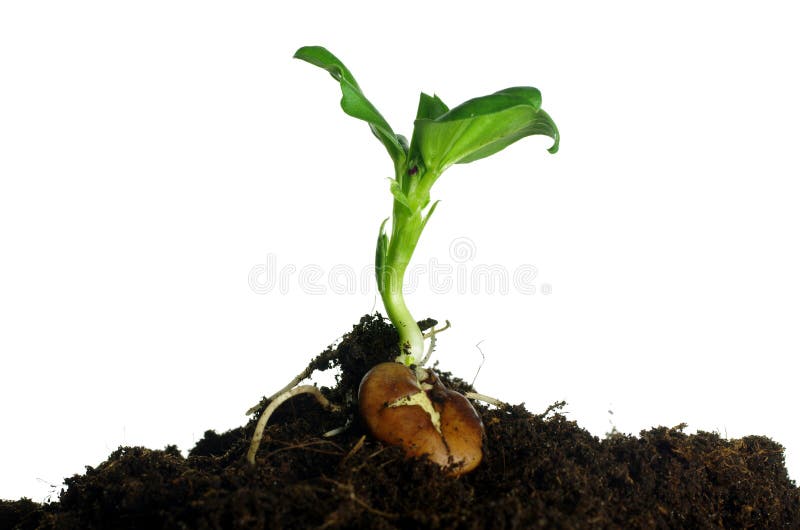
538	471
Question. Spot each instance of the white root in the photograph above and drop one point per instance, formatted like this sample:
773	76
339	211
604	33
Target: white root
305	374
338	430
432	335
487	399
470	395
274	404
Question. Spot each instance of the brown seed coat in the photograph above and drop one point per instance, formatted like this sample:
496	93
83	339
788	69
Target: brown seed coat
457	442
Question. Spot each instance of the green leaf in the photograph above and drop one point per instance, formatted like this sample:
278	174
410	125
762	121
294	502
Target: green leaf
428	215
380	253
399	196
353	100
481	127
509	97
529	93
430	107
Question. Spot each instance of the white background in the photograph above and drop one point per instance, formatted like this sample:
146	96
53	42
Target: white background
153	153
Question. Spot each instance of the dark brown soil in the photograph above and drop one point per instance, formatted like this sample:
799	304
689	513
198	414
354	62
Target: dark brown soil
539	471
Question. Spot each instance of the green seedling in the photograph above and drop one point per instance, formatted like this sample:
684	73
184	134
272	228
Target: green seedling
404	403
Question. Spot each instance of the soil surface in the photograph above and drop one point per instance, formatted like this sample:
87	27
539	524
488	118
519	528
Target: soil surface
539	471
